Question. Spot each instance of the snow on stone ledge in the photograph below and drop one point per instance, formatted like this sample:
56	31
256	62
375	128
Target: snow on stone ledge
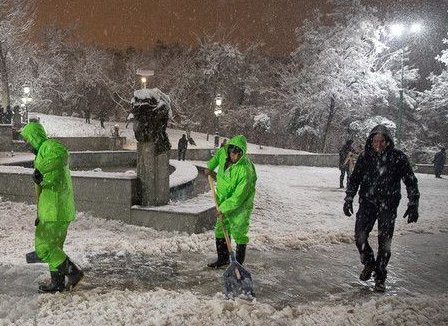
184	173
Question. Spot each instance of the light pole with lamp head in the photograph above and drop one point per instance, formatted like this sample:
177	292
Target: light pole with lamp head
25	100
144	73
398	30
218	113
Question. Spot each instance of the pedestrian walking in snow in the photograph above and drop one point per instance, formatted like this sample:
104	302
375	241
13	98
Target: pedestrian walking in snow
129	119
182	147
102	117
439	162
55	208
378	173
343	153
87	115
8	115
224	141
235	190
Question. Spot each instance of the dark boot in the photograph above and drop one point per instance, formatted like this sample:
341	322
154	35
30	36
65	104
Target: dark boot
32	258
57	284
73	273
240	253
366	273
223	254
380	285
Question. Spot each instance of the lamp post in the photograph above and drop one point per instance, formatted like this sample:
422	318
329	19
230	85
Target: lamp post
398	30
25	100
144	73
218	113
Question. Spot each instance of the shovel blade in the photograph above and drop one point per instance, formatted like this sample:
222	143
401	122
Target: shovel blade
238	281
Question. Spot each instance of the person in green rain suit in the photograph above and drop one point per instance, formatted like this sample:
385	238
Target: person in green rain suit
235	189
55	208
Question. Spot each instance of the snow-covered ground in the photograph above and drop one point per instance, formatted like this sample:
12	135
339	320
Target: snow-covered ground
301	256
298	214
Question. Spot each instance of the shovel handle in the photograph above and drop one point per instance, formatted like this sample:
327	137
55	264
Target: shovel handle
224	229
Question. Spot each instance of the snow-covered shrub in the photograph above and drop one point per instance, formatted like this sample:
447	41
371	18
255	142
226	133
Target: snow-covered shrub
262	122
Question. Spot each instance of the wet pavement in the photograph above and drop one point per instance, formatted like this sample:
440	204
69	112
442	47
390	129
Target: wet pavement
418	266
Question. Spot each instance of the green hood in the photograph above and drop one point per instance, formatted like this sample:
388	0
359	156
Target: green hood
34	134
239	141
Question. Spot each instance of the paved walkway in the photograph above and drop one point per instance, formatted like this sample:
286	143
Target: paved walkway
418	266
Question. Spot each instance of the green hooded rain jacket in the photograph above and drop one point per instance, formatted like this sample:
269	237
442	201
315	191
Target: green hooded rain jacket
56	201
235	190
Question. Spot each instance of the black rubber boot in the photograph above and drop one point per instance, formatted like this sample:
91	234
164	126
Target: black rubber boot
73	273
366	273
223	254
380	285
240	253
57	284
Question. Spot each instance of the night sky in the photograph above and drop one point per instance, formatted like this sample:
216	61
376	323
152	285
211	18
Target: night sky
140	23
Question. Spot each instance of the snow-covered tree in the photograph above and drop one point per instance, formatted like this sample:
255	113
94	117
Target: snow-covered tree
16	20
360	129
434	104
262	124
339	71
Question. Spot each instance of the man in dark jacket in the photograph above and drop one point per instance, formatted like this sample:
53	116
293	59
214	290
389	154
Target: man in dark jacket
343	153
182	148
8	115
378	172
439	162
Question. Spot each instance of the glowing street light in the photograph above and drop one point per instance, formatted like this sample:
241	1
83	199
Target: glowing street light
416	28
218	100
218	112
144	73
398	30
26	99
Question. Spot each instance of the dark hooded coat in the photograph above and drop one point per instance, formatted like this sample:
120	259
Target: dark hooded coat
378	176
440	159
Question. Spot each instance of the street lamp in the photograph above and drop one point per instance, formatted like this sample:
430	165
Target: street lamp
144	73
218	113
25	100
398	30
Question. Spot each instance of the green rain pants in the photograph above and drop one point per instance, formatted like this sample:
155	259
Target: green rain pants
237	227
49	242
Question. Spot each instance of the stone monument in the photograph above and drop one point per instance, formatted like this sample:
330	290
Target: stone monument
152	109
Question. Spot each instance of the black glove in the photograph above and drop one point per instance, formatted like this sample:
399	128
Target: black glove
36	221
37	177
348	207
411	213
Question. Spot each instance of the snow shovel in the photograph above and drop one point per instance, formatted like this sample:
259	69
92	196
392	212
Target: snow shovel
237	280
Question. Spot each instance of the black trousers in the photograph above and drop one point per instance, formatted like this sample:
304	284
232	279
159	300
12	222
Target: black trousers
181	154
368	213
